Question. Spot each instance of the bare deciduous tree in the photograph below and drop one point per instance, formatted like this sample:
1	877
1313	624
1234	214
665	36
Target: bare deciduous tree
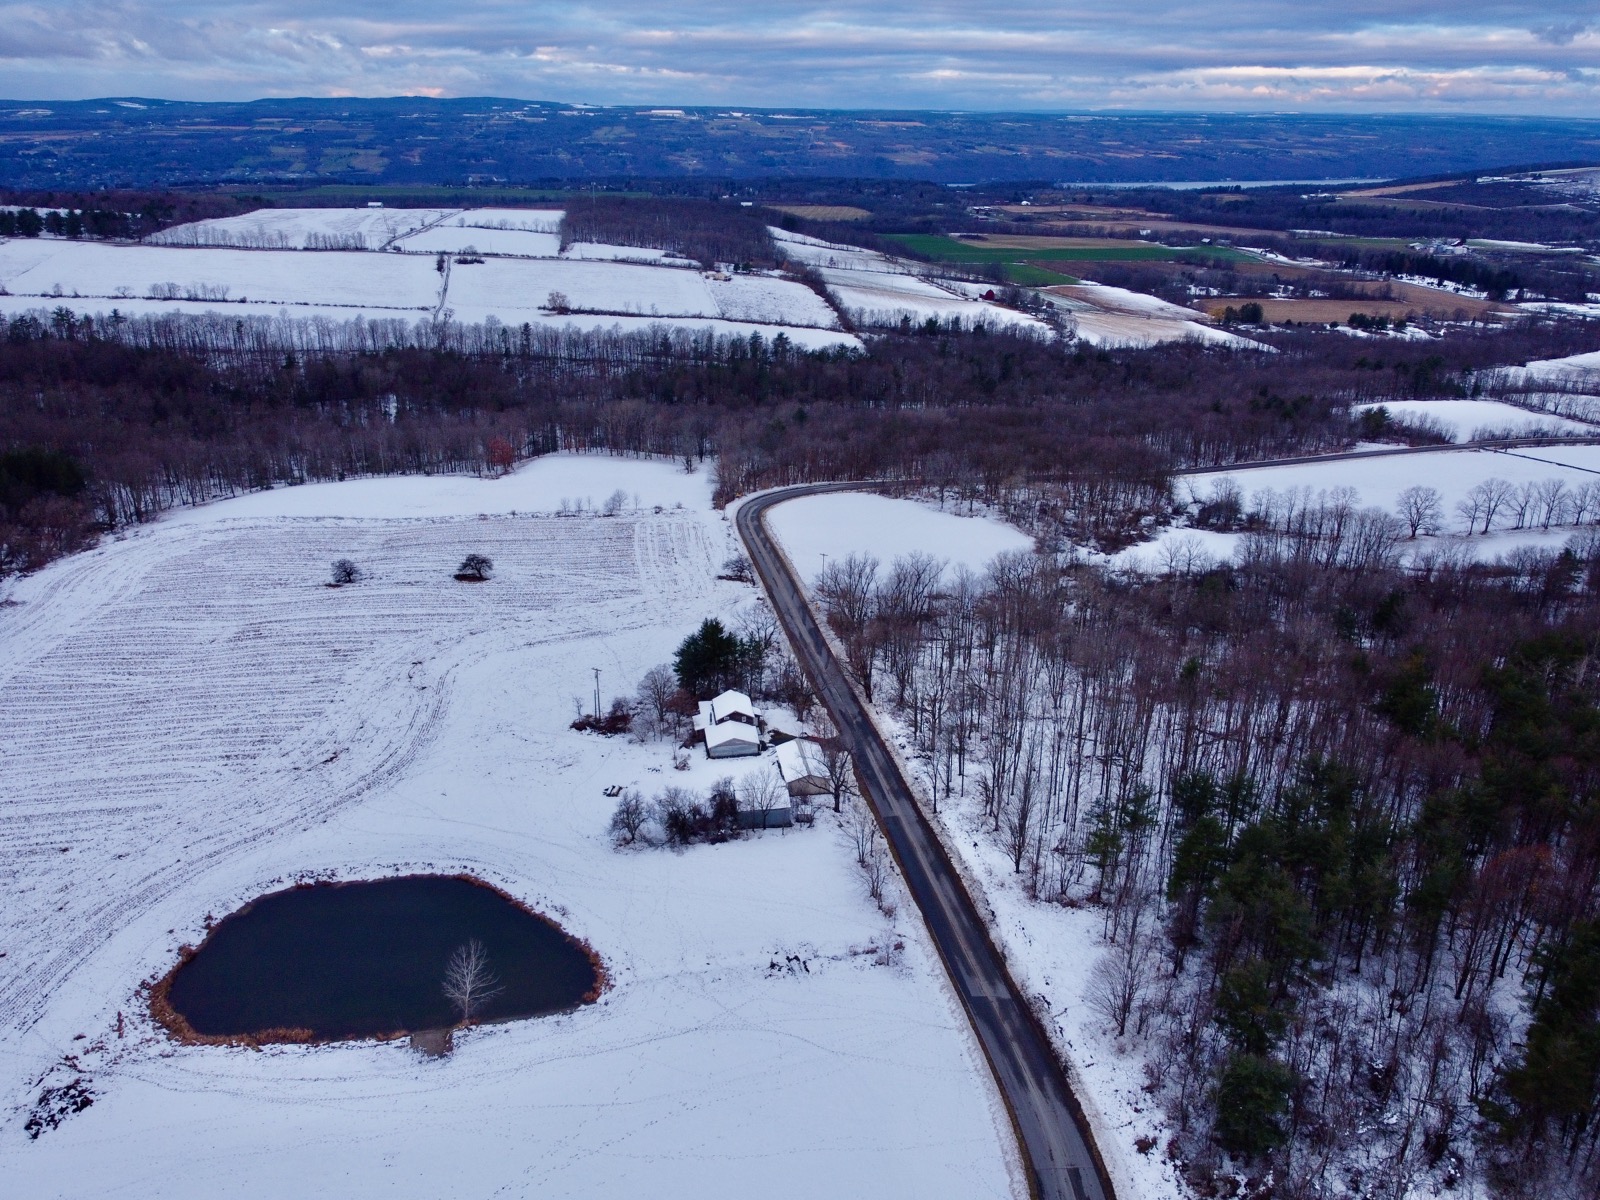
761	791
345	571
475	567
737	568
1549	502
653	713
469	984
1122	977
1483	502
630	818
836	761
1421	509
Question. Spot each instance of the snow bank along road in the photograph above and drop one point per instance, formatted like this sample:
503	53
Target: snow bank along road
1061	1159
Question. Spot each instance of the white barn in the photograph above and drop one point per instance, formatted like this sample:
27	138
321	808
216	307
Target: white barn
731	725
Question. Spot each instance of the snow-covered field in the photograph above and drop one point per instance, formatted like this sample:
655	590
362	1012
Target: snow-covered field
302	228
815	528
877	289
513	289
542	220
189	717
1581	371
1111	316
200	270
61	271
1465	419
457	239
1052	950
1378	481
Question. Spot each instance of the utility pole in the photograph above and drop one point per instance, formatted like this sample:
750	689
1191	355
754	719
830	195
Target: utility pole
596	671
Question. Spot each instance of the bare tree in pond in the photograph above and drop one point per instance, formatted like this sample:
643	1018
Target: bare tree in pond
469	984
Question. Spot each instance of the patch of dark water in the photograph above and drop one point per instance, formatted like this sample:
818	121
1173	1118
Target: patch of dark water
369	959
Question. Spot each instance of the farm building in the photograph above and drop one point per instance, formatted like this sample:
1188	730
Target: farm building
731	725
804	772
774	812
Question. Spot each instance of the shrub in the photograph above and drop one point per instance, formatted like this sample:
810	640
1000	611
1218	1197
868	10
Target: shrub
475	568
617	719
738	569
628	822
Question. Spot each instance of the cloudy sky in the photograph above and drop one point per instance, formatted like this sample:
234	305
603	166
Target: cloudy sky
1536	56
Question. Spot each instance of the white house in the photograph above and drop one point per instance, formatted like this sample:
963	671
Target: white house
731	725
804	772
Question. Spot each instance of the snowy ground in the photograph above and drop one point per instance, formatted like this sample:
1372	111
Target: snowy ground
816	528
1581	371
189	717
456	239
544	220
1051	949
1465	419
204	268
1111	316
877	289
1379	480
60	271
299	228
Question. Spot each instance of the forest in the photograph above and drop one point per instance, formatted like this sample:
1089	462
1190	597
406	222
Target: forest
1338	815
1338	821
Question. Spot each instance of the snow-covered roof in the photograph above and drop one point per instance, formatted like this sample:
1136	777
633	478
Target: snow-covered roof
731	731
731	704
800	759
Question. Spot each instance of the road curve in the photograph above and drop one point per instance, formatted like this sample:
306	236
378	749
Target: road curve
1057	1147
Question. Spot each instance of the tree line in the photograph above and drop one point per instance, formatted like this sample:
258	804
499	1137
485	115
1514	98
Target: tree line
1078	444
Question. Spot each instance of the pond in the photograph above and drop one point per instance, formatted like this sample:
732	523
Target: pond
372	959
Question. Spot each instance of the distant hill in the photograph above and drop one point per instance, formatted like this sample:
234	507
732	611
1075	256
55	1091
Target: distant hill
408	141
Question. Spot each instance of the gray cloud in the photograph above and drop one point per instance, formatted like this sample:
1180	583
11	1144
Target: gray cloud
1411	54
1564	34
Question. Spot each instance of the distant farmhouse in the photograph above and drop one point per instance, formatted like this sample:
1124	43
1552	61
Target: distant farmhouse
731	724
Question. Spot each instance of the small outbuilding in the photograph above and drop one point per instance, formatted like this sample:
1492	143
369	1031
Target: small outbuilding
776	812
804	772
731	725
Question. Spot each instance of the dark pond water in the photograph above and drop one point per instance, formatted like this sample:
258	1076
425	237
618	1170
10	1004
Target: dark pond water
361	959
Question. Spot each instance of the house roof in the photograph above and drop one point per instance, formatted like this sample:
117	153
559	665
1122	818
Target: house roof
800	759
731	704
732	731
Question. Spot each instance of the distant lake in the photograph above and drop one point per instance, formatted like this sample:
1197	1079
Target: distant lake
368	959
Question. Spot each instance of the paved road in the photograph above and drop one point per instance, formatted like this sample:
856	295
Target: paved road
1056	1144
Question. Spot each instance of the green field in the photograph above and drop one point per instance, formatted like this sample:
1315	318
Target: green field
944	249
1027	275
